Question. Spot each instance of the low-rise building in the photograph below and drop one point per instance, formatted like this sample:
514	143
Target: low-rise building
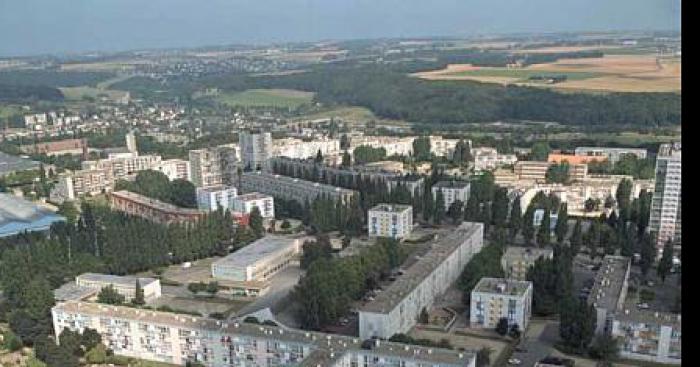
648	335
390	220
213	197
177	339
249	269
126	166
612	154
487	159
71	186
558	158
246	202
452	191
518	260
396	309
151	209
495	298
124	285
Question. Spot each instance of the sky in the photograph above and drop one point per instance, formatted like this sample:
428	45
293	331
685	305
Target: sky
30	27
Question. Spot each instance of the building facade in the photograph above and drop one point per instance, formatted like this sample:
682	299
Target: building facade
212	197
488	159
390	220
609	290
151	209
612	154
67	146
452	191
665	213
213	166
246	202
175	169
124	285
289	188
256	149
80	183
413	183
495	298
648	336
396	309
518	260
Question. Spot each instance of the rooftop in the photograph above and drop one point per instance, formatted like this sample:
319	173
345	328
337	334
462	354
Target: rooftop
609	282
252	196
257	251
11	163
528	253
457	184
391	208
505	286
326	348
298	181
634	314
153	203
127	281
414	274
216	188
19	215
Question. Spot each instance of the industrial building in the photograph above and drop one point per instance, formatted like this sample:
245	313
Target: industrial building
390	220
177	339
495	298
397	307
18	215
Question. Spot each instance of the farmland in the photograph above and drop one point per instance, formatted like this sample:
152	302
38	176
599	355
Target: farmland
284	98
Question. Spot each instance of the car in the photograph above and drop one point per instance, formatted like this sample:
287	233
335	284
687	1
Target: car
650	283
643	306
514	361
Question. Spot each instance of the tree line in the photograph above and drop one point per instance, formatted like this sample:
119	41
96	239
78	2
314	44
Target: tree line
156	185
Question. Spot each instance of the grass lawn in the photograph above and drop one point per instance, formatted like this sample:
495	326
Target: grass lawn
285	98
524	74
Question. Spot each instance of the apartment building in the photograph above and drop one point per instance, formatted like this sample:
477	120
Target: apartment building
178	339
392	145
665	213
537	170
246	202
251	267
452	191
488	159
413	183
611	154
518	260
175	169
213	166
124	167
60	147
289	188
151	209
647	335
339	176
558	158
390	220
212	197
396	309
442	147
256	149
495	298
300	149
124	285
609	290
73	185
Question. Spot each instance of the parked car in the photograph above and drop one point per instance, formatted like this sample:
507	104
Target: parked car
514	361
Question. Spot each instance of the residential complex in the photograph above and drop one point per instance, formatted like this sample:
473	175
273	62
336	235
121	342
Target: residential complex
246	202
297	148
396	309
611	154
174	169
213	166
60	147
178	339
496	298
18	215
648	335
321	172
413	183
212	197
518	260
390	220
123	167
537	170
609	290
288	188
487	159
80	183
151	209
452	191
665	213
256	149
249	269
124	285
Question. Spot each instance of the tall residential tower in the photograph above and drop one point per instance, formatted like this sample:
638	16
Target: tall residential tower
665	213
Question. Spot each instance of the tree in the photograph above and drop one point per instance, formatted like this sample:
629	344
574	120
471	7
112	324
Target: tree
319	157
604	348
576	238
528	224
455	211
500	207
502	326
558	173
483	357
110	296
516	218
540	151
68	210
666	262
424	317
139	298
54	355
591	204
544	232
182	193
344	141
314	250
421	148
623	193
90	338
96	354
647	254
562	226
471	211
256	222
439	210
70	340
577	324
514	331
347	160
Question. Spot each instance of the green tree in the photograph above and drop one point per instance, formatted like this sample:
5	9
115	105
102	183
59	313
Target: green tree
483	357
139	298
502	326
90	338
576	238
540	151
70	340
528	224
562	226
439	210
500	207
256	222
421	148
319	157
604	348
647	254
558	173
96	354
182	193
577	324
544	233
347	160
68	210
455	211
666	262
516	218
110	296
624	193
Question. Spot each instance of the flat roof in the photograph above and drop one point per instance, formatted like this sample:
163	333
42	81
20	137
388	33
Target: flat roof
71	291
215	188
415	273
457	184
146	201
257	251
11	163
529	253
634	314
609	282
116	279
298	181
326	349
505	286
252	196
391	208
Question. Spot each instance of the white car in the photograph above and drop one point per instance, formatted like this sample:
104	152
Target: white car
514	361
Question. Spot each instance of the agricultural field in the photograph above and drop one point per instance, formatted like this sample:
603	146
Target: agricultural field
611	73
80	93
284	98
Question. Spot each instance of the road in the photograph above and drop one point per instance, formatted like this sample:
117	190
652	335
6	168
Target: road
537	342
280	287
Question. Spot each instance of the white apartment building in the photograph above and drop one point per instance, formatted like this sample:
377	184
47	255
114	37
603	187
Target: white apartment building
488	159
612	154
442	147
246	202
82	182
665	213
124	167
396	309
289	188
300	149
124	285
495	298
213	166
213	197
256	149
392	145
648	335
177	339
390	220
452	191
413	183
175	169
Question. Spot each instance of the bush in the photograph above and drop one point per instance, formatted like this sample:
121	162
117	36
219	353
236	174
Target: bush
251	320
11	342
96	355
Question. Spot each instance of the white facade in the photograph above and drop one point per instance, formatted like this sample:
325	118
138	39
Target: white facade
258	261
648	336
246	202
496	298
211	198
442	147
175	169
256	149
124	167
396	309
665	213
124	285
487	159
612	154
213	166
390	220
452	191
297	148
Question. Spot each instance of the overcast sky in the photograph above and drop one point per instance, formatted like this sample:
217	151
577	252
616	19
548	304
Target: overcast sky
57	26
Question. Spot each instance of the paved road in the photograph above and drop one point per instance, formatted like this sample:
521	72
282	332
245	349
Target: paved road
280	287
537	341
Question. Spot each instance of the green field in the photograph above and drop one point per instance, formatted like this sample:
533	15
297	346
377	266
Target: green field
524	74
284	98
79	93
